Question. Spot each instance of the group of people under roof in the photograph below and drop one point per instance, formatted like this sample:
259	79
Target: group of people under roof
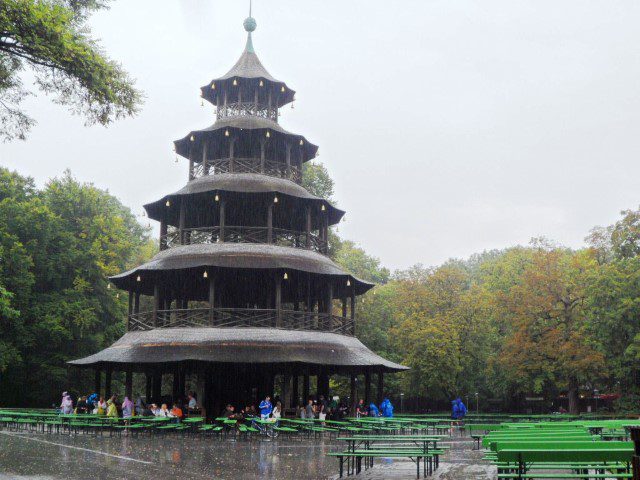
372	410
112	407
316	408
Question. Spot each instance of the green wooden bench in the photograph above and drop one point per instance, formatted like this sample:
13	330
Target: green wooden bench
416	456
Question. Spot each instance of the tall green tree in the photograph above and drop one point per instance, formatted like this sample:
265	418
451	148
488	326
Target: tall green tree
50	38
58	246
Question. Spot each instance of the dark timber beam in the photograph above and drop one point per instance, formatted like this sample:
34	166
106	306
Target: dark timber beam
98	381
107	383
380	392
367	387
128	383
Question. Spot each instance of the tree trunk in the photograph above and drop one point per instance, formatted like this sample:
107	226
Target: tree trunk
573	396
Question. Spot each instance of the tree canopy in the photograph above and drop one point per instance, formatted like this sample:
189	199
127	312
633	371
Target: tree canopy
50	39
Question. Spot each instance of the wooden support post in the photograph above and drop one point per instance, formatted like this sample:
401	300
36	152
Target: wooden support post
288	160
278	300
380	392
286	391
157	387
263	144
353	394
163	235
295	391
156	303
232	143
182	220
344	307
329	305
97	381
308	226
212	299
136	303
367	387
175	386
305	388
222	219
270	223
128	383
148	387
191	175
205	166
107	383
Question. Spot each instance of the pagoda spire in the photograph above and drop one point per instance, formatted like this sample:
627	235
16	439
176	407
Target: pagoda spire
250	26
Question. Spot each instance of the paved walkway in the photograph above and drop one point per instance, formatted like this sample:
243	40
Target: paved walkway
57	457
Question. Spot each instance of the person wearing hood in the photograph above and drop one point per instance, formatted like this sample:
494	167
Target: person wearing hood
127	408
373	410
462	409
112	409
386	408
66	406
455	410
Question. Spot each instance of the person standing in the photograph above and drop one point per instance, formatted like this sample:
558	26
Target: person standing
127	408
112	409
277	411
309	411
66	406
265	408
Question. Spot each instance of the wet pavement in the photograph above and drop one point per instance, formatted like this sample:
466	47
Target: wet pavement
56	457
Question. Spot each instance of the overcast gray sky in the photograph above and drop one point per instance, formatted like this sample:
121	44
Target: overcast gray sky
449	126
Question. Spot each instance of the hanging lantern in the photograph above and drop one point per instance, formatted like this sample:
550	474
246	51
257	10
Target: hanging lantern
192	138
235	82
138	279
268	133
275	199
286	276
108	286
205	275
168	204
117	295
348	282
213	86
261	83
301	142
323	208
282	89
217	198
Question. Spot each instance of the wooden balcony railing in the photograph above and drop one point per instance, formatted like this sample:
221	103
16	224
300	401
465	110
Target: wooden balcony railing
247	165
241	318
245	109
231	234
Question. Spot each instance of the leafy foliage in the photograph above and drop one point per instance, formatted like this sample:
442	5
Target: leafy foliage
50	38
57	246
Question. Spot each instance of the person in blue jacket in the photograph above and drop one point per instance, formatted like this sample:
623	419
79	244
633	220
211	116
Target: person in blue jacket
455	409
386	408
373	410
462	409
265	408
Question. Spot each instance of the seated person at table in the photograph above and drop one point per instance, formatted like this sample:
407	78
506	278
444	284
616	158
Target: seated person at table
193	403
82	405
112	408
164	411
176	411
250	411
155	410
361	409
373	410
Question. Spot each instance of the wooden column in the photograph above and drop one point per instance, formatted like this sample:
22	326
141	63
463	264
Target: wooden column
232	143
157	387
367	387
148	387
278	300
380	392
156	303
270	223
163	235
263	144
212	299
175	386
205	165
130	302
136	303
182	220
328	305
288	160
344	307
308	226
305	388
191	175
353	394
323	384
97	381
286	391
295	391
353	311
107	383
128	383
222	219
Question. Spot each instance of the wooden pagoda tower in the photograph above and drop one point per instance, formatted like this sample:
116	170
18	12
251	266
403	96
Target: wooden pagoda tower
242	289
